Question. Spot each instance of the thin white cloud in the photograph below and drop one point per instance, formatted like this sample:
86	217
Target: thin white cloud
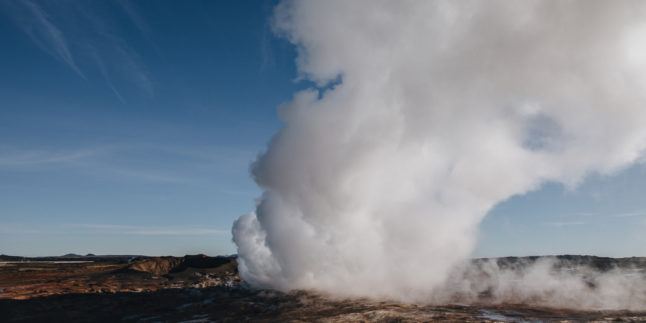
177	232
138	20
98	226
128	62
41	29
111	229
11	228
142	230
14	158
562	224
47	27
628	214
98	161
113	54
148	175
106	76
211	167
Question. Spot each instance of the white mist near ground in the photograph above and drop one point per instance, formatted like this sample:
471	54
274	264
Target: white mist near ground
548	282
424	116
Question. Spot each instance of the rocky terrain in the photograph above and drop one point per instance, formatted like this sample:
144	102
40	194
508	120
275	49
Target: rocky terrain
26	278
208	289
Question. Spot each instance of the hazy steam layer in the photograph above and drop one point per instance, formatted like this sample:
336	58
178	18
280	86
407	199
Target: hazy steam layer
437	111
548	281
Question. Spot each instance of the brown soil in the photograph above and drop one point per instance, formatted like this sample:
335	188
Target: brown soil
36	279
208	289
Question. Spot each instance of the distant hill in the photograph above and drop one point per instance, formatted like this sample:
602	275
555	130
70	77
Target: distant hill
196	261
10	258
72	257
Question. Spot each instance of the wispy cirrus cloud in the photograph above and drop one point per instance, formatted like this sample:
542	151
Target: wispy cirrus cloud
563	224
165	164
138	20
39	26
97	48
628	214
144	230
11	159
106	75
111	229
586	214
107	161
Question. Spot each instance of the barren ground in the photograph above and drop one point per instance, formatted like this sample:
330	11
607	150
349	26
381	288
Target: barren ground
207	289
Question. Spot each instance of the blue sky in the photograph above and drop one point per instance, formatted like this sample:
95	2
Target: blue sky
129	127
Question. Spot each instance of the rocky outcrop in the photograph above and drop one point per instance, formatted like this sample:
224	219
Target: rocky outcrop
156	265
167	265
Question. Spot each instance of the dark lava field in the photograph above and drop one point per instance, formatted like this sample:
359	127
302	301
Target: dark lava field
208	289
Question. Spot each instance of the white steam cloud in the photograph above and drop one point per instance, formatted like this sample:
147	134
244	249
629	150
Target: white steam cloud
426	115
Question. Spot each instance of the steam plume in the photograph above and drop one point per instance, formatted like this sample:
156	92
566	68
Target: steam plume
426	115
